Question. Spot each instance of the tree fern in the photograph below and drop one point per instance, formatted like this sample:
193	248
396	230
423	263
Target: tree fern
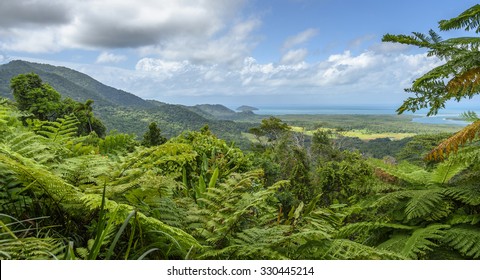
84	171
61	130
71	199
464	239
453	143
344	249
469	195
422	241
405	171
428	204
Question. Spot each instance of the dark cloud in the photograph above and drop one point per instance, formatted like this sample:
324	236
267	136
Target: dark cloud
118	36
15	13
136	27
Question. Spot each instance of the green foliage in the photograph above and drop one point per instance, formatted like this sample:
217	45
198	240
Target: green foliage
272	129
116	143
464	239
344	179
153	136
458	77
19	241
34	96
59	131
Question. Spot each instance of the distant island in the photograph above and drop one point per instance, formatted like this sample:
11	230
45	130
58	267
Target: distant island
245	108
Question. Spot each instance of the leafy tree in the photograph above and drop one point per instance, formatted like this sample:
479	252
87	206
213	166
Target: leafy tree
34	96
153	136
44	102
272	128
458	78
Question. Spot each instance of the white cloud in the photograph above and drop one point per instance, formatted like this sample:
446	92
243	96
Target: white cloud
340	75
300	38
294	56
230	48
106	57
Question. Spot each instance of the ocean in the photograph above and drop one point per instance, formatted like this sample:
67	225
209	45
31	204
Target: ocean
446	116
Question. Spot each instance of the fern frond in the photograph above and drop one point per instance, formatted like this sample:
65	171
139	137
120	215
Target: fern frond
28	145
344	249
84	171
464	239
456	219
469	195
61	130
452	144
392	199
470	116
395	243
466	82
422	241
405	171
428	204
366	227
30	248
446	170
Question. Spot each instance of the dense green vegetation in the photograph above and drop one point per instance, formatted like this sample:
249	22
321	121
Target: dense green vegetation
71	193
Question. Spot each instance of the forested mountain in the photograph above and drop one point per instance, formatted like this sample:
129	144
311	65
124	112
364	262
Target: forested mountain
123	111
70	83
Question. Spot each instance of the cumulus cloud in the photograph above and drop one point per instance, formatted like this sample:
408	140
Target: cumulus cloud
106	57
300	38
230	48
108	24
338	75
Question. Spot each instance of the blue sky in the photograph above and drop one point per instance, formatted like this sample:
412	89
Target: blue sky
256	52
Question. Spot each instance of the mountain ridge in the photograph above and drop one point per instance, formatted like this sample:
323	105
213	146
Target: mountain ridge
124	111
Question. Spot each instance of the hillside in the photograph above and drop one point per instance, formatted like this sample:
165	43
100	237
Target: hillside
71	83
120	110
